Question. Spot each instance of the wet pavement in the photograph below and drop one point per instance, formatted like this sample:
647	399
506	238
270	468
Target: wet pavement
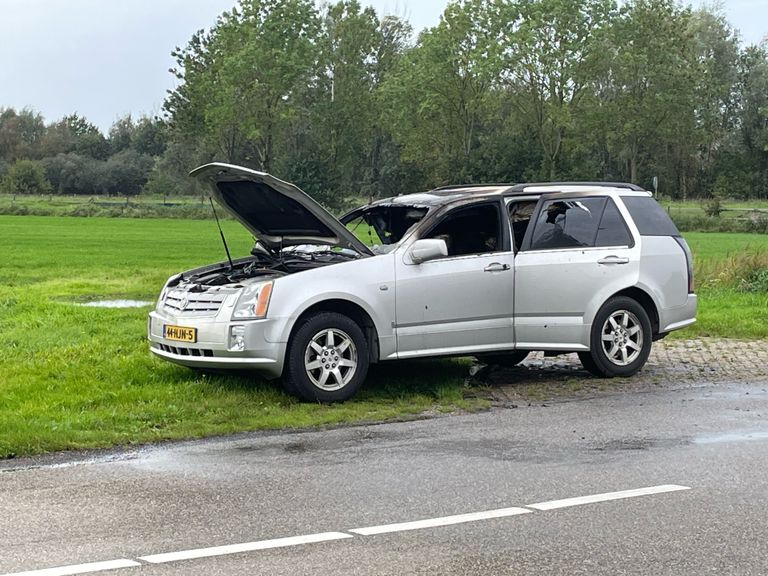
312	493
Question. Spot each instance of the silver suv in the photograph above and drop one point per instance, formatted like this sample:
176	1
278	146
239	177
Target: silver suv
493	271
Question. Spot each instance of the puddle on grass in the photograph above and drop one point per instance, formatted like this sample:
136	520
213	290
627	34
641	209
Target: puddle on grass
730	437
114	304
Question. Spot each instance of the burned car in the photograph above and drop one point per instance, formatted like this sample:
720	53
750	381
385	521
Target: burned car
493	271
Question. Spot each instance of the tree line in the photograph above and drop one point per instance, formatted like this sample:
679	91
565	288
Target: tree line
72	156
346	104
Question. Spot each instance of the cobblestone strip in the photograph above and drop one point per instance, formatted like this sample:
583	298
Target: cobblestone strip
671	362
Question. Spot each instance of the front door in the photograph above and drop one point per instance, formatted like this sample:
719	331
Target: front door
461	303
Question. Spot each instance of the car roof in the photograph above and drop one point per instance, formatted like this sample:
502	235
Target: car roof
447	194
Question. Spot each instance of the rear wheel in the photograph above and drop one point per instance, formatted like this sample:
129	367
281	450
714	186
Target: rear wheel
620	341
327	359
507	360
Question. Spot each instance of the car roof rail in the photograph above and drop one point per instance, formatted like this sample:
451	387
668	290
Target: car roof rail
479	185
626	185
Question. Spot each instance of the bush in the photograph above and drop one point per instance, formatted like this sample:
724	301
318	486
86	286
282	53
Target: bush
713	207
756	281
745	271
25	177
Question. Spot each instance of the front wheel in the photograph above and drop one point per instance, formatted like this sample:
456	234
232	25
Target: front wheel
327	359
620	341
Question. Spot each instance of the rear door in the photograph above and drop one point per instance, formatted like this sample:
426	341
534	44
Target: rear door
577	252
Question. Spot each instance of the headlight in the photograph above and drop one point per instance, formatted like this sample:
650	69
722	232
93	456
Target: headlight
253	302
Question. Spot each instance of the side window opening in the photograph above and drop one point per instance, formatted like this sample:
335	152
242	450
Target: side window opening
470	230
520	214
613	230
571	223
649	217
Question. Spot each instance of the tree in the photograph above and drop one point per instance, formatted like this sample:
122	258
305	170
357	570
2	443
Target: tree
123	174
87	138
436	99
647	98
20	133
71	173
752	87
240	80
336	145
552	50
25	177
150	136
121	134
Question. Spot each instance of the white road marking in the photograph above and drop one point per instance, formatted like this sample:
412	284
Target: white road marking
329	536
245	547
79	568
443	521
578	501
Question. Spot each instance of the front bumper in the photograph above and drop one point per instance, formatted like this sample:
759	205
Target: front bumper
212	348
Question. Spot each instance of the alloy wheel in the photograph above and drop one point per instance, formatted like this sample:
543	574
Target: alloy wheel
330	359
622	337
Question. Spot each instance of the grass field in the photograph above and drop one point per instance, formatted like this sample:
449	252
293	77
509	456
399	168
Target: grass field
731	274
77	377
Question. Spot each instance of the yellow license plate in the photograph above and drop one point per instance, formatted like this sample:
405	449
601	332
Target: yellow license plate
180	333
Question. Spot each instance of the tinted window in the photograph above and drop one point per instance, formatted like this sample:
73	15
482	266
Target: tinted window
613	231
567	223
649	217
470	230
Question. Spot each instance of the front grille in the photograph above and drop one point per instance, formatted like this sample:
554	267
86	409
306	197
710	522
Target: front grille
184	351
193	303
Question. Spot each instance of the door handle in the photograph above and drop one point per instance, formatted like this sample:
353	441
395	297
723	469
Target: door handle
613	260
496	267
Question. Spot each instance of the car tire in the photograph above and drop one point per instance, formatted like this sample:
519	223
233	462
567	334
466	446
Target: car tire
620	340
327	359
507	360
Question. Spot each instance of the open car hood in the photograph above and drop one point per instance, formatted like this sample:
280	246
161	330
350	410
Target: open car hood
276	212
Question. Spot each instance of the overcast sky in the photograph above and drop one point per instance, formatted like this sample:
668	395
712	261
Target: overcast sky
106	58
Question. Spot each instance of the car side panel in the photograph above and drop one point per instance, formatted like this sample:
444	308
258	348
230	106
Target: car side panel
368	282
558	293
457	305
663	274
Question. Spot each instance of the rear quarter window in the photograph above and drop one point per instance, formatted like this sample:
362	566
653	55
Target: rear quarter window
649	217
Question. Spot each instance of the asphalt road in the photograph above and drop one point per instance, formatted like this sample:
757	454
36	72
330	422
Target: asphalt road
328	486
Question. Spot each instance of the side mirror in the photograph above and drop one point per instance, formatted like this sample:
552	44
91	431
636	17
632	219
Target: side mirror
427	249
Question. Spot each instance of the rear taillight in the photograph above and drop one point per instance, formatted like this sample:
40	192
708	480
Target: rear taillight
688	260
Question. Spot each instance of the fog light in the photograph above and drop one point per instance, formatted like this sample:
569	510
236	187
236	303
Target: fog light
237	338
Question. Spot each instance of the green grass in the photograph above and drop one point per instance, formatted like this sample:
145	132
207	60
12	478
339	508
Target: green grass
75	377
729	304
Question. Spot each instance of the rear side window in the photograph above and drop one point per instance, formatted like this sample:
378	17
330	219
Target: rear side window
613	231
567	223
649	217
